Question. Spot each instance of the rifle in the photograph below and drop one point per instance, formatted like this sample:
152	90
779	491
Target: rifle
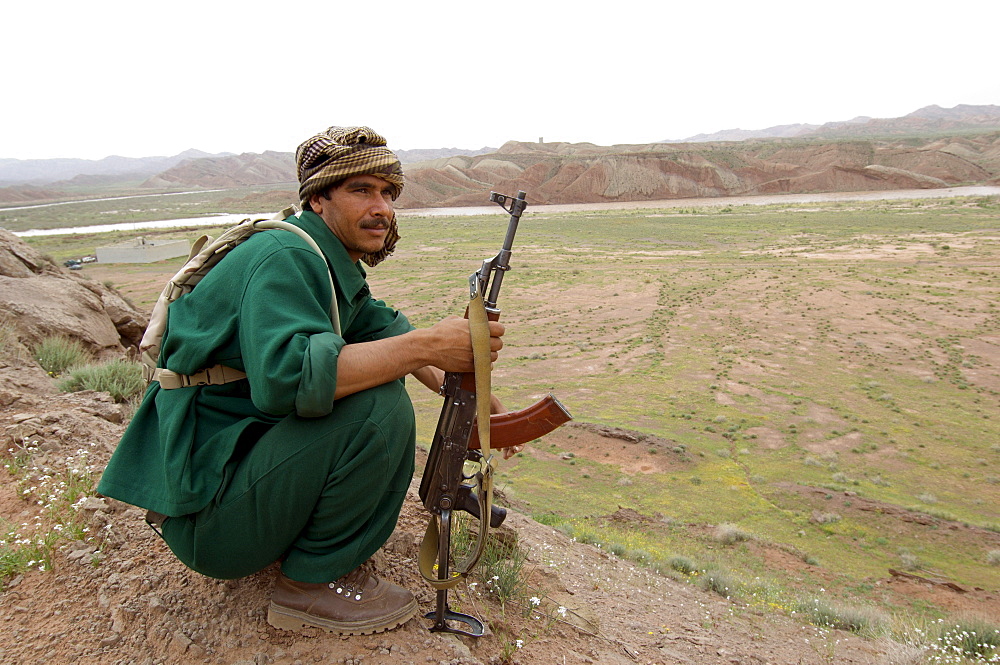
461	437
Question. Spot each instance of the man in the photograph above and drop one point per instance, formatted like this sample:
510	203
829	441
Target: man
307	460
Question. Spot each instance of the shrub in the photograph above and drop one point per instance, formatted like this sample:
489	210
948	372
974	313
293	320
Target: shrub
824	518
860	620
720	582
501	568
909	560
682	564
58	354
728	534
121	378
973	638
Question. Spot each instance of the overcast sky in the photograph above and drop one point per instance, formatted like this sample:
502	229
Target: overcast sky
143	78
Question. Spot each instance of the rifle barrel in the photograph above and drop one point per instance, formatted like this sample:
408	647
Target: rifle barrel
501	263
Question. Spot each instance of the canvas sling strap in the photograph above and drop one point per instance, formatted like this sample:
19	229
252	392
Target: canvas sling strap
220	374
429	549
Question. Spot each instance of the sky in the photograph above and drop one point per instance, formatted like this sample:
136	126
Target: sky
151	78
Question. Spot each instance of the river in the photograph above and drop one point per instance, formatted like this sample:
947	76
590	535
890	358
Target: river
224	219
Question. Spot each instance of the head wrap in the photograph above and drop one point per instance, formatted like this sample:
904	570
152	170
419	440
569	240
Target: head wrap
341	152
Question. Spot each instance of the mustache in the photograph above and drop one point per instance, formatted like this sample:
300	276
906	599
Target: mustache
375	224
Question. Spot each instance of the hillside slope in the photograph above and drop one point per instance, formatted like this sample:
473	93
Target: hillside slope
120	596
585	173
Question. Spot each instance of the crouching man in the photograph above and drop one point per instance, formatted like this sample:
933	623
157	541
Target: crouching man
307	459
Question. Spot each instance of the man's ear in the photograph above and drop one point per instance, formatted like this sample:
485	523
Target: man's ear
316	202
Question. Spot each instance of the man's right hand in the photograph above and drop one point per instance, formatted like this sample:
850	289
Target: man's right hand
451	344
447	345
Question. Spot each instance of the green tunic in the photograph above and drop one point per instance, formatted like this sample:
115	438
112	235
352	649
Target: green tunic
263	310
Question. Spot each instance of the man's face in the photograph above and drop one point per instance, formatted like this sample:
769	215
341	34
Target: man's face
358	212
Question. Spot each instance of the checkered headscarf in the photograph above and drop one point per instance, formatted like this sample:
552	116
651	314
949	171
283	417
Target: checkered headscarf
341	152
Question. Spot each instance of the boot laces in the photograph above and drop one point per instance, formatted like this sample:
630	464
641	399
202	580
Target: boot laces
352	584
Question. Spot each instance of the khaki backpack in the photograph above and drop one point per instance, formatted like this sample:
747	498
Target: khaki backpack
205	254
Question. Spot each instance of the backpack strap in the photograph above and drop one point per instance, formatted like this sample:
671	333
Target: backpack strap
221	374
213	376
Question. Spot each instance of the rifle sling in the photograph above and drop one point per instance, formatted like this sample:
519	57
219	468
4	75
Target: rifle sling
479	331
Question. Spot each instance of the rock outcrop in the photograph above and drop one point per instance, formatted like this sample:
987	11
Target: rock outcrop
39	299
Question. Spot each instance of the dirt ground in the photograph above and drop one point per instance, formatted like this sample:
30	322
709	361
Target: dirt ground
121	597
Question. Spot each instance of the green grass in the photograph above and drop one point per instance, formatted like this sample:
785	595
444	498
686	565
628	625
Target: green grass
153	206
121	378
57	354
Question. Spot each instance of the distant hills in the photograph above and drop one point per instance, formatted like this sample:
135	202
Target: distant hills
268	168
47	171
931	147
69	171
928	120
585	173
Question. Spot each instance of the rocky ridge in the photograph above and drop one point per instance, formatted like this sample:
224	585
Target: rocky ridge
575	173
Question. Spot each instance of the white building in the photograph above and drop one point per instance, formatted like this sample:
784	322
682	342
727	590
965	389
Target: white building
141	250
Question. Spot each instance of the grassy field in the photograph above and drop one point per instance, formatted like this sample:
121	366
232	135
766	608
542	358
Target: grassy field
116	206
823	379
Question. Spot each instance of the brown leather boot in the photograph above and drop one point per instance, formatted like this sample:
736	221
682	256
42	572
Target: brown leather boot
357	604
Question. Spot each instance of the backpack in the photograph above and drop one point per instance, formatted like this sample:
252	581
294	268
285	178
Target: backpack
205	254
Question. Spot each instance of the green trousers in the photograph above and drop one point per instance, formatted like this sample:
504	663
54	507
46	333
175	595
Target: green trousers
319	494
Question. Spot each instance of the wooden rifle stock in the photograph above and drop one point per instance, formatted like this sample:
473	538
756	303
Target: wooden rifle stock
528	424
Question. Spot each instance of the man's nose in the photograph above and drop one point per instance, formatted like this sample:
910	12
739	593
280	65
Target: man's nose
381	207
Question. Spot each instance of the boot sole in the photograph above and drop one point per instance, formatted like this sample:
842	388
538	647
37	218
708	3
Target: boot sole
285	618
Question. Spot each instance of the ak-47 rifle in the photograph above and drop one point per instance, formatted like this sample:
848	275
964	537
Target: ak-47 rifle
445	487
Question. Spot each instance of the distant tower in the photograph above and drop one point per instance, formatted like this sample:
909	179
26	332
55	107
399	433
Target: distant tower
541	139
